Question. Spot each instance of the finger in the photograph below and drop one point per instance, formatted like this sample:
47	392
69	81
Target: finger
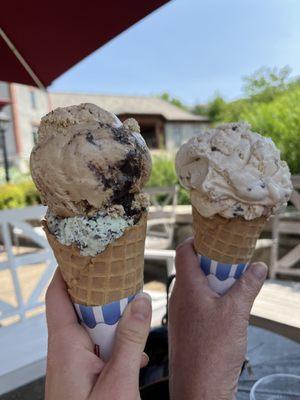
131	336
245	289
187	264
144	360
59	309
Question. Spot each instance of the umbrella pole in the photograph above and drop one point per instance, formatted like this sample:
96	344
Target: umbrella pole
4	153
21	59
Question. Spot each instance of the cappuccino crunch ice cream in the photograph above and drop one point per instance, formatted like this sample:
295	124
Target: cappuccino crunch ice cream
236	181
234	172
86	159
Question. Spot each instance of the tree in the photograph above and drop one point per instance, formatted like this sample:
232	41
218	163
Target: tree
200	109
265	83
272	108
172	100
214	109
280	120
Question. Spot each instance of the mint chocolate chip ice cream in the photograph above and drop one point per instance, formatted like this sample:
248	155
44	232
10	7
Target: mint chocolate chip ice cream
90	234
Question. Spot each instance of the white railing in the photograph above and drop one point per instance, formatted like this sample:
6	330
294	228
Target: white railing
14	223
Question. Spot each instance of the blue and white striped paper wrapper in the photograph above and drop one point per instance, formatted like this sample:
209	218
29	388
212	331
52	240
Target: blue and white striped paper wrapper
101	323
221	276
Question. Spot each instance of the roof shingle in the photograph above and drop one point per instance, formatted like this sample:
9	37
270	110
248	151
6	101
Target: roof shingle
148	105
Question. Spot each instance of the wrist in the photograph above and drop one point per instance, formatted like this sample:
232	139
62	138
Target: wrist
201	379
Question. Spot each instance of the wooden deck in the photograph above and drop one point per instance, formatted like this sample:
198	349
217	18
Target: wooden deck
277	308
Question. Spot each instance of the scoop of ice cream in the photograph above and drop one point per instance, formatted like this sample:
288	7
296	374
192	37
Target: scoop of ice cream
90	234
232	171
85	159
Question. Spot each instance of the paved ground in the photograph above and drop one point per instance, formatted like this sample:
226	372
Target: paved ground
32	391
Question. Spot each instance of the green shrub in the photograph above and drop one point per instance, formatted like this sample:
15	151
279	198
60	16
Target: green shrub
184	197
163	174
11	196
163	171
31	194
18	195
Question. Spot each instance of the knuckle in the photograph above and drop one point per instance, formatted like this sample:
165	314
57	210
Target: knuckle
131	335
179	247
183	245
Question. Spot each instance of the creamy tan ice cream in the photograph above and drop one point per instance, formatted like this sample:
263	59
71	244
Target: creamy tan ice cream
234	172
85	160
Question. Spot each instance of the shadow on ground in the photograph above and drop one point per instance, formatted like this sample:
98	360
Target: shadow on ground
32	391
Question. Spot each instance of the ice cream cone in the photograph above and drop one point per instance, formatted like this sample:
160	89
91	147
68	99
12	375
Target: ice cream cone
112	275
236	181
229	241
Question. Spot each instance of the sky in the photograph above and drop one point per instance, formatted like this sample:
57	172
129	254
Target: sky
193	49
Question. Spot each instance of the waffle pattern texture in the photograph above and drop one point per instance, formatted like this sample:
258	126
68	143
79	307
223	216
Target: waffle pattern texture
230	241
114	274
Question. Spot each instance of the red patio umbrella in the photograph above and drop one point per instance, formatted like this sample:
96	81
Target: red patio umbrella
39	40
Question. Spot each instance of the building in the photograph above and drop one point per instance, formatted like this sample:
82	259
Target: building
27	106
163	125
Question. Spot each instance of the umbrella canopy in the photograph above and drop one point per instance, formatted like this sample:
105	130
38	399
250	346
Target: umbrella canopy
41	40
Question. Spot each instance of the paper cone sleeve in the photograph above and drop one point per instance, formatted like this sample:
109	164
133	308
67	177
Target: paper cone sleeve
114	274
230	241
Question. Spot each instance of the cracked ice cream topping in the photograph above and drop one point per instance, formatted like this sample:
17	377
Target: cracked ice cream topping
86	159
232	171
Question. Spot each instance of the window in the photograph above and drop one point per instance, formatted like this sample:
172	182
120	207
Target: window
32	99
177	134
149	134
198	129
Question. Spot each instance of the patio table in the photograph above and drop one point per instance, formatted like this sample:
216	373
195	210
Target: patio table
268	353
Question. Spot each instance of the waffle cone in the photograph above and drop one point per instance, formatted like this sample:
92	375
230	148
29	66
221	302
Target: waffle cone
116	273
230	241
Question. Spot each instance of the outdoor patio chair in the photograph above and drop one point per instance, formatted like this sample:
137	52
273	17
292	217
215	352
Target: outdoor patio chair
287	223
161	224
18	234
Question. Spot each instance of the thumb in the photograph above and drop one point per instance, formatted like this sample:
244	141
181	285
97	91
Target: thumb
120	376
131	336
245	290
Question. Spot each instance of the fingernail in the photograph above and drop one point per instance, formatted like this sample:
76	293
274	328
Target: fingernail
141	306
259	270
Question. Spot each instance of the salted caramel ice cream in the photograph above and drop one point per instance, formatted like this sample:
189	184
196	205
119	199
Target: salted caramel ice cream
90	169
232	171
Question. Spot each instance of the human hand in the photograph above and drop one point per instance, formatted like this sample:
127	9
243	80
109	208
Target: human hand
207	332
73	370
